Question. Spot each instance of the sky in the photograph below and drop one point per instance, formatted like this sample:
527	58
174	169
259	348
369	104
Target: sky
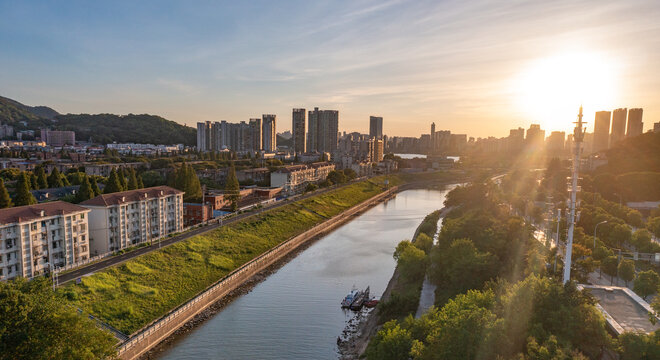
475	67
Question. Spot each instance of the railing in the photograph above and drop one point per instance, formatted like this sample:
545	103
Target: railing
220	284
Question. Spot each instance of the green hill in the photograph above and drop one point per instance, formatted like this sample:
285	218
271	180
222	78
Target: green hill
101	128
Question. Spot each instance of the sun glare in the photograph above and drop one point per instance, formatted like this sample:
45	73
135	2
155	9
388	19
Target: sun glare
550	90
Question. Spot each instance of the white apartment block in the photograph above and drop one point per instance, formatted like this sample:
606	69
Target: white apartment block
37	238
293	179
128	218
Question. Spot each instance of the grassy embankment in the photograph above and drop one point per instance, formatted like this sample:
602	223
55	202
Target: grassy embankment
131	295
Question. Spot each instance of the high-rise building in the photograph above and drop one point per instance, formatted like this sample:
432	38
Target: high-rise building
601	130
635	124
516	139
204	136
555	142
535	136
298	128
378	150
433	146
618	126
323	130
376	127
37	238
269	133
255	134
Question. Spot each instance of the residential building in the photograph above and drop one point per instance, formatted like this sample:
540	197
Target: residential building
204	138
535	136
656	127
256	135
635	124
376	127
293	179
378	150
432	145
555	142
602	130
269	133
618	126
298	127
58	138
37	238
128	218
194	214
516	140
323	130
105	169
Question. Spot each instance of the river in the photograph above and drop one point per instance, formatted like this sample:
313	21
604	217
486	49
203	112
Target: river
295	312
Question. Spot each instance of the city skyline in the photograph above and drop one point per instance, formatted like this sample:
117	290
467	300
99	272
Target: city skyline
466	67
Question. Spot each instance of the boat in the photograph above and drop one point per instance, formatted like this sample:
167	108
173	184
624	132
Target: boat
359	300
371	303
348	300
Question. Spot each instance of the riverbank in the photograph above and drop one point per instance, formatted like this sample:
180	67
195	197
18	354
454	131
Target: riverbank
356	344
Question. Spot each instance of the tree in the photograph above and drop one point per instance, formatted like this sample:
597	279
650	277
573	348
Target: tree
42	181
23	194
610	265
85	192
95	186
391	343
653	224
350	173
132	183
646	283
337	177
311	187
55	179
411	262
5	200
152	178
112	185
619	235
140	183
121	176
37	323
424	242
33	181
232	190
627	270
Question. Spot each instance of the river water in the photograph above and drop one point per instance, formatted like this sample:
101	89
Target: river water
295	312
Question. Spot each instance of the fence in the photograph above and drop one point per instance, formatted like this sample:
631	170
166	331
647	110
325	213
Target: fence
153	333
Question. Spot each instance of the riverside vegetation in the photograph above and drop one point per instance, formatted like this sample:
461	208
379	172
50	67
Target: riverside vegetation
141	290
494	298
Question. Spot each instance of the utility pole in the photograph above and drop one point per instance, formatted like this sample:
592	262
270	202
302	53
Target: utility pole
578	137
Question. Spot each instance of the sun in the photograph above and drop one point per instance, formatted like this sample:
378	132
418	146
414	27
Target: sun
551	89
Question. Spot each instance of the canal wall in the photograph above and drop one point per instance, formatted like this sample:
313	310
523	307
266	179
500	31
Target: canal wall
160	329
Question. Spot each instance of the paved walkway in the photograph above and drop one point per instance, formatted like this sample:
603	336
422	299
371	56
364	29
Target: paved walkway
426	298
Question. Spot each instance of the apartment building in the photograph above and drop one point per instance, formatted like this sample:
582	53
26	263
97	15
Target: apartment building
128	218
37	238
293	179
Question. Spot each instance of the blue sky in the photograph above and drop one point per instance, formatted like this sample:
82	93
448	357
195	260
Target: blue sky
458	63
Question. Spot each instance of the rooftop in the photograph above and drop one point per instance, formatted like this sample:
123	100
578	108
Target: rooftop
131	196
31	212
623	309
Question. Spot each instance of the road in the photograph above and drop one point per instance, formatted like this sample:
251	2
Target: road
118	259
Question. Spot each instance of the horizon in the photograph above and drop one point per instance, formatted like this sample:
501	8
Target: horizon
470	68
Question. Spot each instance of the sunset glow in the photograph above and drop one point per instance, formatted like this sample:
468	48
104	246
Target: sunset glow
550	89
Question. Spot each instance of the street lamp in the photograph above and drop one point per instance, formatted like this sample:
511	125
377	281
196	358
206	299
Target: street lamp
596	228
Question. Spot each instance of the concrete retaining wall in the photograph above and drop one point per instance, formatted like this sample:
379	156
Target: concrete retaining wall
154	333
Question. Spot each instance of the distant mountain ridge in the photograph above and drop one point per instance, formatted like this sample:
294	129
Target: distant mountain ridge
101	128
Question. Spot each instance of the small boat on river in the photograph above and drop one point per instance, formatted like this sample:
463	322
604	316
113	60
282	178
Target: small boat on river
359	300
